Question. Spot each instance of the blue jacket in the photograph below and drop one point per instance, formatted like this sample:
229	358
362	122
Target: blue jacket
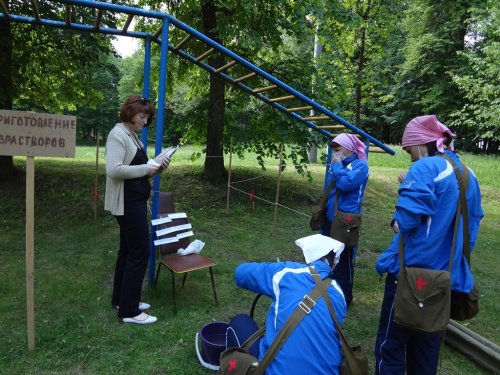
314	346
351	176
425	212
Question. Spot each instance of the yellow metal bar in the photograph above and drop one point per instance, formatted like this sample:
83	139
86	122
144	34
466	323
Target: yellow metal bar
34	4
376	150
182	42
158	32
205	54
129	21
227	66
68	14
4	8
98	18
331	127
262	89
315	118
281	99
356	135
295	109
245	77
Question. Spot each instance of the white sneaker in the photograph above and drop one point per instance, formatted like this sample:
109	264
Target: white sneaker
143	306
136	320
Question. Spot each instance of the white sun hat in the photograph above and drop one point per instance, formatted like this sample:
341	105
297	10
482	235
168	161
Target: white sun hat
316	246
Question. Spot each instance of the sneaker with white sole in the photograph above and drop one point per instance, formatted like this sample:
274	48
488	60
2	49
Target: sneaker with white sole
143	306
150	319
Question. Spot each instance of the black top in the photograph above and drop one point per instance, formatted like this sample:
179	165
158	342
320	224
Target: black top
137	190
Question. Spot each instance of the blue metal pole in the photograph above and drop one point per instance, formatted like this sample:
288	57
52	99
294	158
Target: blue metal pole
209	42
276	81
146	88
162	88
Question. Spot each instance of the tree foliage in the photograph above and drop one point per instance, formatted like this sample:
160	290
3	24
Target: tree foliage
383	62
478	121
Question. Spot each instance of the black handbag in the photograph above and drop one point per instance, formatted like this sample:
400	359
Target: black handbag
318	211
464	306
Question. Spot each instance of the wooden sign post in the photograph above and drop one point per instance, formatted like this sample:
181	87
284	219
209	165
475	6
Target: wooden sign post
34	134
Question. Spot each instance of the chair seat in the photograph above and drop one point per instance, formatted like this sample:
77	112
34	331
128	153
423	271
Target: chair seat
187	263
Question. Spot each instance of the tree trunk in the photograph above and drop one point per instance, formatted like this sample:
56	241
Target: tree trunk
365	16
214	160
7	169
359	80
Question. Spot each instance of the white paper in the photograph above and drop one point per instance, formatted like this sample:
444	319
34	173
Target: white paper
161	220
168	152
164	241
178	215
153	163
185	234
176	228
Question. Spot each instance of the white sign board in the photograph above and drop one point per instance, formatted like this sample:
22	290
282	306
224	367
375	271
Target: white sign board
37	134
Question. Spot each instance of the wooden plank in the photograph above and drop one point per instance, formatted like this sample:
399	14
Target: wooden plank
30	250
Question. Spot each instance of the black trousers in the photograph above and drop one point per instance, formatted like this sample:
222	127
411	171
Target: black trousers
344	270
132	260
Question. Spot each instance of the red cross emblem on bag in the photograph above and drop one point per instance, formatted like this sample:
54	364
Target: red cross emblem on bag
232	365
420	283
349	219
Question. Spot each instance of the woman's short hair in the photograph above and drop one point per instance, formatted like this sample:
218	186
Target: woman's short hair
136	104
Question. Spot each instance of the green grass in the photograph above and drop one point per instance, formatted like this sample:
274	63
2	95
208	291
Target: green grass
76	330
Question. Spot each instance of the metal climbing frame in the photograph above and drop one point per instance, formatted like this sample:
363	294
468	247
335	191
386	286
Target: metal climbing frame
254	80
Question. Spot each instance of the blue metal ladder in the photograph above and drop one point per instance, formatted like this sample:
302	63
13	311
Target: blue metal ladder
255	81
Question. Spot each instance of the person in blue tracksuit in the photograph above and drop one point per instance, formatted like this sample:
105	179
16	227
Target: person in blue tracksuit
350	171
314	346
425	217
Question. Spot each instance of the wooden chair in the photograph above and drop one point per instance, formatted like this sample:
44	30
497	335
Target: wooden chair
178	232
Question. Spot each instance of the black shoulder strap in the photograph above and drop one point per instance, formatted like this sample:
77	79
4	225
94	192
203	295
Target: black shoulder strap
463	183
346	349
324	197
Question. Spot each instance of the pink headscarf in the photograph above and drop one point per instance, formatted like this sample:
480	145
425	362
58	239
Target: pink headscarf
351	143
424	129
